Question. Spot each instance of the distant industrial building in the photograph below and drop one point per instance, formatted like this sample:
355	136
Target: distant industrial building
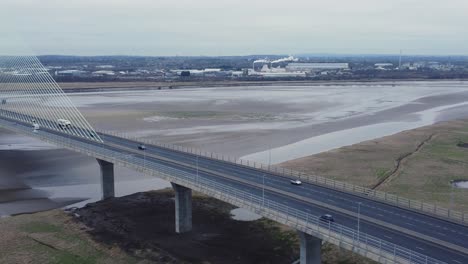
103	73
105	66
209	72
319	66
383	66
275	73
70	73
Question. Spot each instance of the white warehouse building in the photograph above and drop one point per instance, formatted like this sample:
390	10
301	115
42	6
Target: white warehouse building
318	66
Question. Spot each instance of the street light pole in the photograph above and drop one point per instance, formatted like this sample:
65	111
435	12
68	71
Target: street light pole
263	191
359	220
144	159
451	195
269	157
196	180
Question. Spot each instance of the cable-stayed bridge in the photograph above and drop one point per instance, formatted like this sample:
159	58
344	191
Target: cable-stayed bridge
377	225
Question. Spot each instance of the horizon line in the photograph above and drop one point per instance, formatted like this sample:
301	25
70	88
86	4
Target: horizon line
253	55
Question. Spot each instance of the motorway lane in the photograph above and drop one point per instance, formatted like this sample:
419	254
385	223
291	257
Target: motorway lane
415	244
431	226
389	235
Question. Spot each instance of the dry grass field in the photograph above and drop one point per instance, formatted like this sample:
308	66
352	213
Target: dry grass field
417	164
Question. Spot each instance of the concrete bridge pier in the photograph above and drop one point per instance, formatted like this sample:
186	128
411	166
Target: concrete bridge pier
183	208
311	249
107	178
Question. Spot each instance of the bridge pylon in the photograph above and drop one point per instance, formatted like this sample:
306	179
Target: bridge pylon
183	208
311	249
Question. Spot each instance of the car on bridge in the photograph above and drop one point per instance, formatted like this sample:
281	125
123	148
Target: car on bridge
327	218
63	123
296	182
142	147
35	125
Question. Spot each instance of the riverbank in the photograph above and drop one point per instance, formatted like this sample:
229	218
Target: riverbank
418	164
139	228
70	87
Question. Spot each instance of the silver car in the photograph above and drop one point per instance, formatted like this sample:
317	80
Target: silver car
296	182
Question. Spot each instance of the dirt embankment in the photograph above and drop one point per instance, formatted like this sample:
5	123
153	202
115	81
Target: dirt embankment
143	225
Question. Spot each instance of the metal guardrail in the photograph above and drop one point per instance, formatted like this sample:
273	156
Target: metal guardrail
361	243
392	199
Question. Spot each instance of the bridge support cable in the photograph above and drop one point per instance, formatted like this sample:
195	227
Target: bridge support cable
18	89
63	101
8	92
107	178
56	99
29	94
310	249
183	208
22	88
35	90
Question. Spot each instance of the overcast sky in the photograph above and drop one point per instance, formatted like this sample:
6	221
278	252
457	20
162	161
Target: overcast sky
239	27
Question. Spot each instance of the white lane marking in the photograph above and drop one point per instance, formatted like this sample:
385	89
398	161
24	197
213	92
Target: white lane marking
457	261
420	248
389	237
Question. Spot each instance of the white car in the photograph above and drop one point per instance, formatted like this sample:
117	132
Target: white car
63	123
296	182
36	126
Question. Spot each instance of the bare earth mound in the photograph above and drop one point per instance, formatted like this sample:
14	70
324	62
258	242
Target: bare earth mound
143	225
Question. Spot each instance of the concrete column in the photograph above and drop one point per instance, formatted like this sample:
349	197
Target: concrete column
311	249
183	208
107	178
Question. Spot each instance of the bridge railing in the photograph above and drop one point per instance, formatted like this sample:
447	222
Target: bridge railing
393	199
361	243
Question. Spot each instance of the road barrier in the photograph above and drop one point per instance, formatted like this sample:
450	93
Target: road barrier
392	199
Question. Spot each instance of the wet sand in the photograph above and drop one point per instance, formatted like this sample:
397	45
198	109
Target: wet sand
35	176
244	120
293	121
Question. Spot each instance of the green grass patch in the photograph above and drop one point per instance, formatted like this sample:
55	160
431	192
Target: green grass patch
41	227
381	172
54	256
446	150
63	257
